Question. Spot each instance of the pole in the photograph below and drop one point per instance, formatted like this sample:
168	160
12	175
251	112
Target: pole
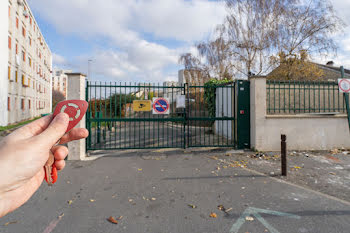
284	155
88	74
346	97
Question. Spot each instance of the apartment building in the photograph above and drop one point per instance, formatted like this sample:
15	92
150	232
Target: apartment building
25	73
59	81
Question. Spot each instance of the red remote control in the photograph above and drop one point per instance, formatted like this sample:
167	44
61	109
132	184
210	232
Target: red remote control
76	110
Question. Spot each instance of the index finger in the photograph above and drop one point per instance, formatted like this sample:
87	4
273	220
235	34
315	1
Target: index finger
32	129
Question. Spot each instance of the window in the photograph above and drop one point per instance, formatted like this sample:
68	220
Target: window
8	104
17	22
9	72
23	31
24	55
23	80
16	76
10	43
22	104
30	61
31	20
16	48
29	104
9	11
30	41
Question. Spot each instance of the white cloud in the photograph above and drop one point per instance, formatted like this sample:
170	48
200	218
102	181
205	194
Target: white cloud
124	24
58	59
178	19
343	11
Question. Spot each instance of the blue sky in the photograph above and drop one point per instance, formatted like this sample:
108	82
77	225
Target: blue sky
138	40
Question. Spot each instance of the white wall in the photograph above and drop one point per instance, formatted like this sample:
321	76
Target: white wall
4	22
304	132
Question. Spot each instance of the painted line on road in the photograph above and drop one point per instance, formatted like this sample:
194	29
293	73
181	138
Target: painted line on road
52	225
251	211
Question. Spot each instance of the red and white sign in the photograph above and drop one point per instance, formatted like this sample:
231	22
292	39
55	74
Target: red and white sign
344	85
161	106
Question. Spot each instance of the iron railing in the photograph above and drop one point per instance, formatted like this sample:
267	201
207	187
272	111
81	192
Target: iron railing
113	123
297	97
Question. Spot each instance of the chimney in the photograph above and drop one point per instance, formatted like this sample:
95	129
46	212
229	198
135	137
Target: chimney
330	63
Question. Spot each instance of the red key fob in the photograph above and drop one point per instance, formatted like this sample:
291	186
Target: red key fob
76	110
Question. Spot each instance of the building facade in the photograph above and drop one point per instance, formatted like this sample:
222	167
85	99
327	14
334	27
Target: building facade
25	73
60	81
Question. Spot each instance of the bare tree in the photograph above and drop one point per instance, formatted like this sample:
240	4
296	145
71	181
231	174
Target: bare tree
257	34
213	59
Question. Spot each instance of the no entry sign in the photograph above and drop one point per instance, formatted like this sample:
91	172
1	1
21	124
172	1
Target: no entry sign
344	85
161	106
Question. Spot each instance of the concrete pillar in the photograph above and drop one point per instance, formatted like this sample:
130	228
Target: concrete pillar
76	91
257	111
4	62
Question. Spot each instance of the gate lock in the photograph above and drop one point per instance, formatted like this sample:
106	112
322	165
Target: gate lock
241	112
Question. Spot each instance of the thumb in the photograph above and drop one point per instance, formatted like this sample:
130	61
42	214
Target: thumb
54	131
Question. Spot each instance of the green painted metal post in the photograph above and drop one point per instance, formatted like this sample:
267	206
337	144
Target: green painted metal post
99	116
346	97
185	114
243	114
88	117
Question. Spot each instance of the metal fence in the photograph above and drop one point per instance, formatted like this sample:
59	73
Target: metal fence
296	97
113	122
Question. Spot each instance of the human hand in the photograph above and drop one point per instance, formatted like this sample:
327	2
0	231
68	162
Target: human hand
24	153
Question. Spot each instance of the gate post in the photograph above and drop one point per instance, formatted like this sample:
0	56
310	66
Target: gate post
76	90
243	114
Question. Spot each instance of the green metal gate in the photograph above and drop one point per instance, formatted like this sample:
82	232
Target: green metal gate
114	123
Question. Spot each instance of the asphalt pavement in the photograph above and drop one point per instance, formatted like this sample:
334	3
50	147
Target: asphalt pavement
162	192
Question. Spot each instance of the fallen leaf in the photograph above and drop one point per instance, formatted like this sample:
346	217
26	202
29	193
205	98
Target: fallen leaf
228	210
140	169
332	173
221	207
112	220
192	206
296	167
131	200
92	200
8	223
61	215
120	218
248	218
213	215
70	202
153	199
